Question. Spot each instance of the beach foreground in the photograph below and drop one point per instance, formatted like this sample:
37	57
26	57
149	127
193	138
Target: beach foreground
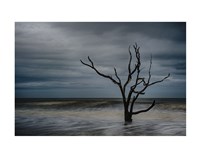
98	117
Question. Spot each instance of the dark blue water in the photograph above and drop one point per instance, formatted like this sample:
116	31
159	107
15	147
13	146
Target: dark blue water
98	117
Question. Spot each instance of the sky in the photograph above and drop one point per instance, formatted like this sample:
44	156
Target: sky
47	58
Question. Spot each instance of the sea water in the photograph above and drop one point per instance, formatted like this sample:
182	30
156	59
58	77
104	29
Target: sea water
98	117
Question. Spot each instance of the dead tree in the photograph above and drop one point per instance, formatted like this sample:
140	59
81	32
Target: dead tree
130	98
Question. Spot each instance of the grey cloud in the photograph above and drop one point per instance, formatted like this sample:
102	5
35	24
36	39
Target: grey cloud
170	56
176	65
164	30
48	54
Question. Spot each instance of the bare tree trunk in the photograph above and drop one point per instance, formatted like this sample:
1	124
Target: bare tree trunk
127	116
139	80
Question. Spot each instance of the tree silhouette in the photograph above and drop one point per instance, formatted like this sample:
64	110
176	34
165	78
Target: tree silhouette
129	99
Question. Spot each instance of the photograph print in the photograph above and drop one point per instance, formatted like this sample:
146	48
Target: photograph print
100	78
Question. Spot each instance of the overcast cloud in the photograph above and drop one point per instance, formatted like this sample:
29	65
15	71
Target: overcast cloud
48	57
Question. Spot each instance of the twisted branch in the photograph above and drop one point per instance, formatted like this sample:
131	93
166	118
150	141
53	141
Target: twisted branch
129	65
141	92
137	112
117	76
101	74
139	80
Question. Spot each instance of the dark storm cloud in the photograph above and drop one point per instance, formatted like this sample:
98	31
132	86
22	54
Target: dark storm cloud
170	56
164	30
178	66
48	55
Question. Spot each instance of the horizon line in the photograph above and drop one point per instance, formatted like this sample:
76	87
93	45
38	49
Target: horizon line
95	98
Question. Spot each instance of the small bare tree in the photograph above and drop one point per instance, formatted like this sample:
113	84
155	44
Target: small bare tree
130	99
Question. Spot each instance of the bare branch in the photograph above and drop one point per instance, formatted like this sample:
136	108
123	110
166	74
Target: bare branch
129	65
150	70
148	82
132	88
137	68
139	85
135	46
137	112
131	108
141	92
159	80
91	61
101	74
133	102
117	75
86	64
135	97
130	77
136	80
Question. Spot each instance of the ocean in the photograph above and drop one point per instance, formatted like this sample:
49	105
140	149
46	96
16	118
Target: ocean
98	117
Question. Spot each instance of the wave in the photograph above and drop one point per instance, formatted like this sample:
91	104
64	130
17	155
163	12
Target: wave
164	104
102	117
